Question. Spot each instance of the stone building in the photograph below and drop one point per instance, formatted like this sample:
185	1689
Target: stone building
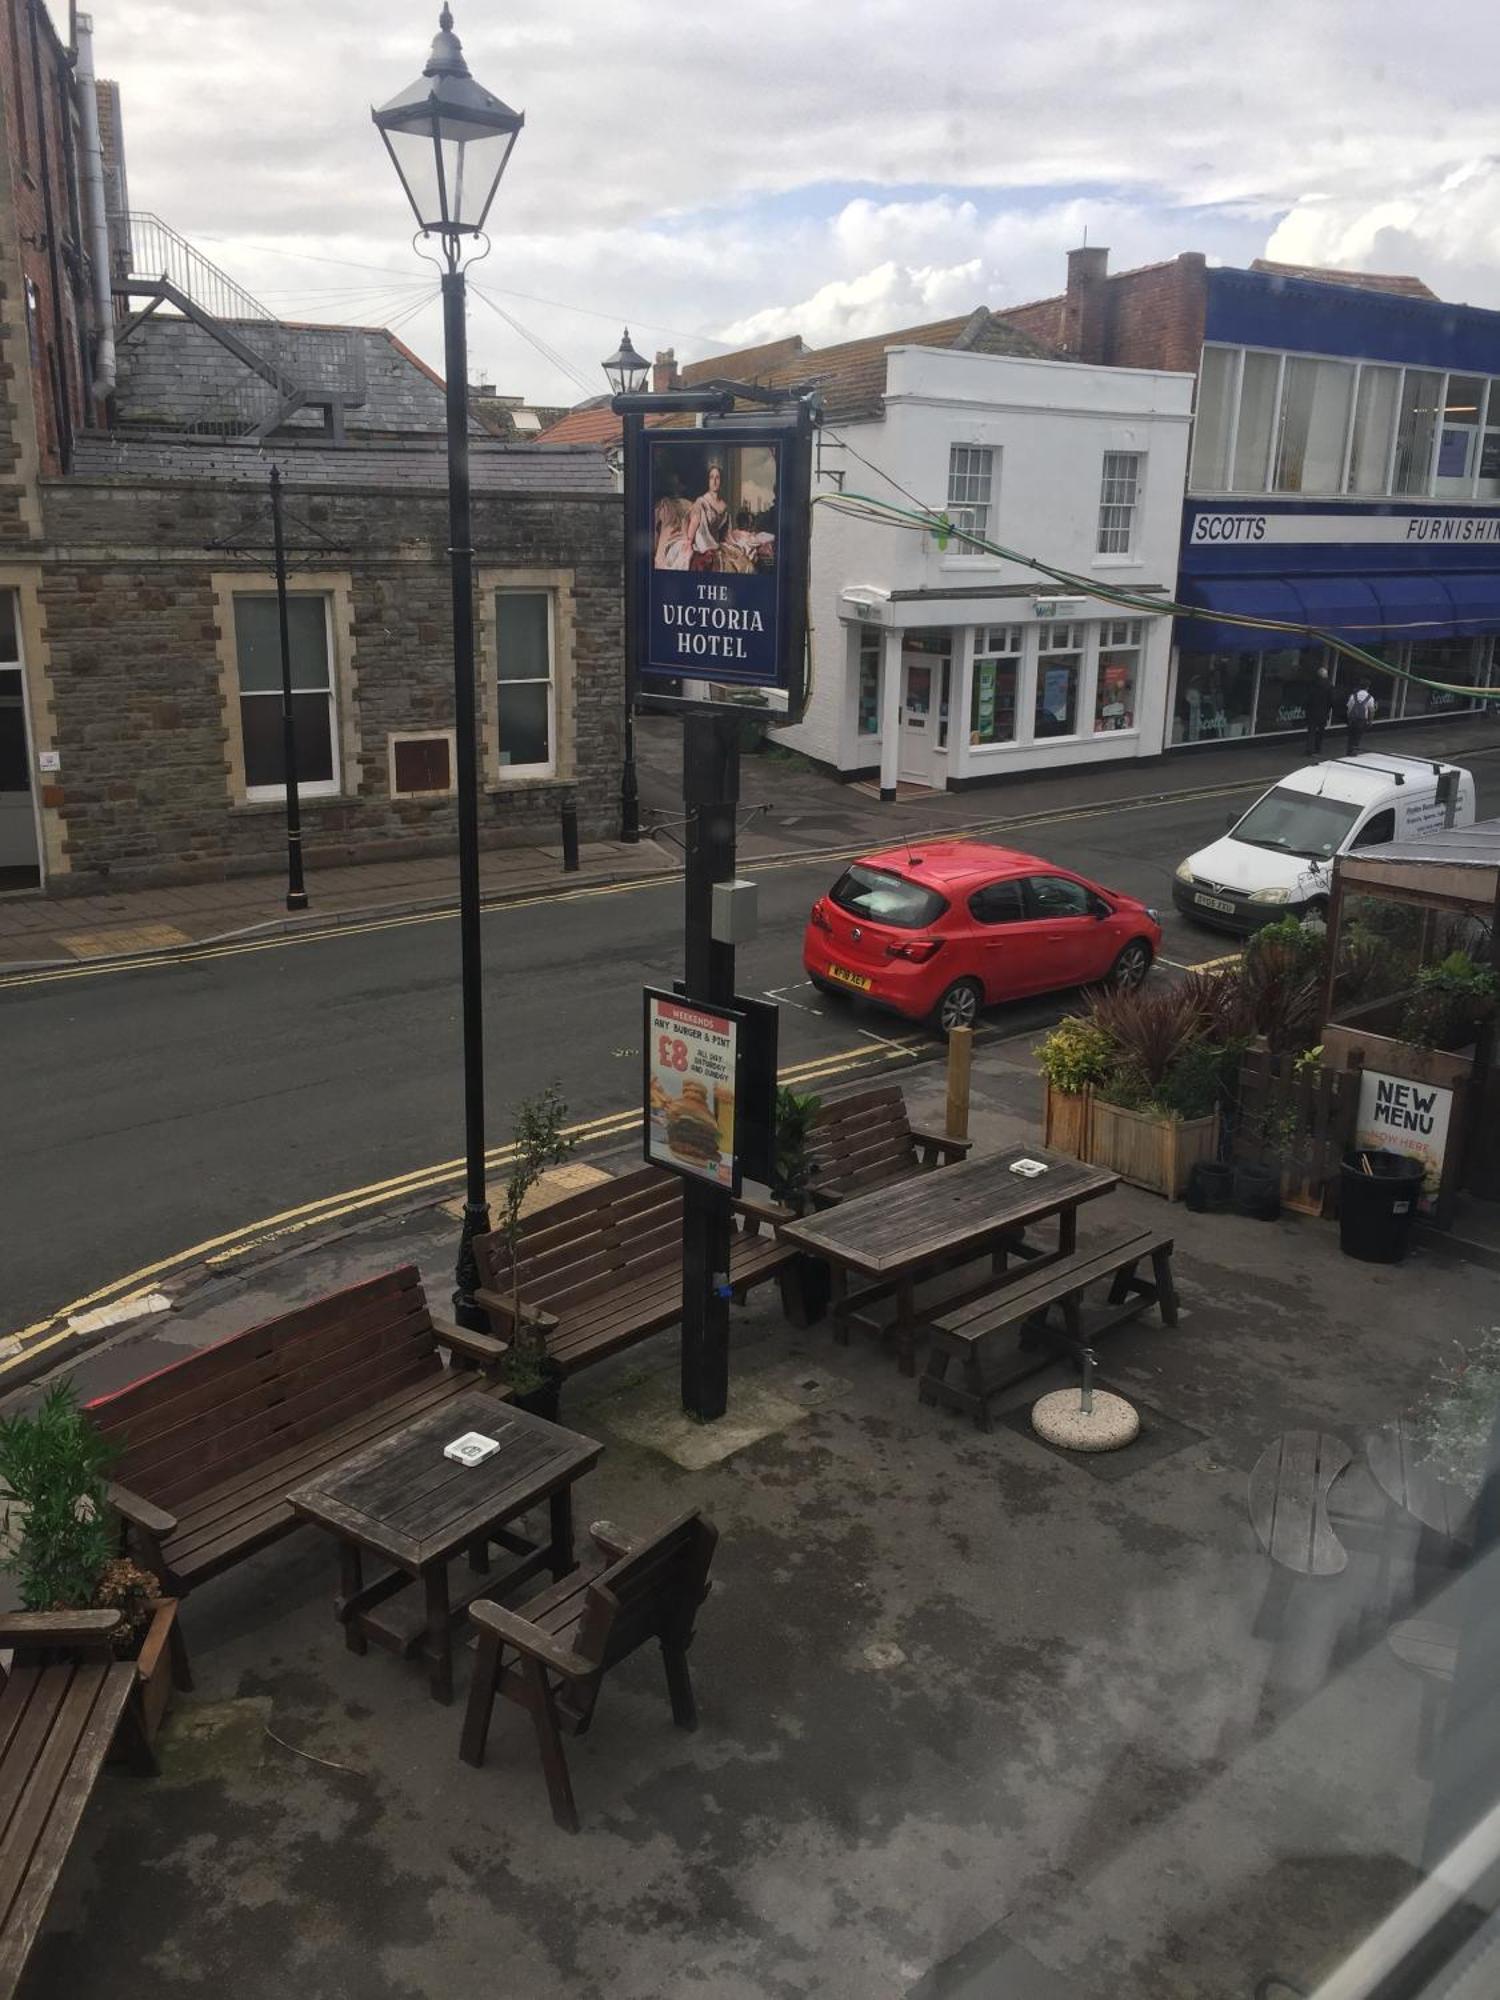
140	704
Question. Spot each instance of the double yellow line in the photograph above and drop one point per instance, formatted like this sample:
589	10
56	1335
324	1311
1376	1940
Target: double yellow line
53	1331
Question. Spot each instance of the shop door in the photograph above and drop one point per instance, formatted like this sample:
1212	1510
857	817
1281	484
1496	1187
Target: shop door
18	853
919	718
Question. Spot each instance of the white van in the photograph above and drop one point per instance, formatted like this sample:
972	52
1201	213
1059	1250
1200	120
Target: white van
1277	859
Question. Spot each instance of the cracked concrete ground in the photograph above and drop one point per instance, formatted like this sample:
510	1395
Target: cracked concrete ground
975	1720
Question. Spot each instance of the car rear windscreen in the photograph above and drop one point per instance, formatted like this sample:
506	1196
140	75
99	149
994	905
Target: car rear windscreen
887	899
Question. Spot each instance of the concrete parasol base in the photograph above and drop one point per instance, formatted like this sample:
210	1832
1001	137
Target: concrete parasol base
1061	1420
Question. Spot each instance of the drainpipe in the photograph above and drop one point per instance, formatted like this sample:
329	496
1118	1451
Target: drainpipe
98	224
54	257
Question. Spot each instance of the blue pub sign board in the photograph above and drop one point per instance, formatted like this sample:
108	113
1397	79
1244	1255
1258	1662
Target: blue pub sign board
725	520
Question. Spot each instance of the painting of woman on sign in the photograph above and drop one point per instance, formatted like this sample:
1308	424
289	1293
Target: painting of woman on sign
711	531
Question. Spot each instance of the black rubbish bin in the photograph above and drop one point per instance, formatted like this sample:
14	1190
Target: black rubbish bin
1378	1194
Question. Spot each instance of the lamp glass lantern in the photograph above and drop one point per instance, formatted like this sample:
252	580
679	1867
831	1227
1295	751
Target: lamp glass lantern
449	140
626	371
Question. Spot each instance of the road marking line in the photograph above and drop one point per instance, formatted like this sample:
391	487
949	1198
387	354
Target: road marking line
1015	823
219	1250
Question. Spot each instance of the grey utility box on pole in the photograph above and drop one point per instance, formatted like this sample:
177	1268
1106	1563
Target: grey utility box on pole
736	913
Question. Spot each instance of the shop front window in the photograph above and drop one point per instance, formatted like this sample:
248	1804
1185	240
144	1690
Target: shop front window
1374	418
1315	399
1119	673
1215	697
997	669
1458	440
869	680
1456	662
1252	444
1416	429
1285	677
1059	668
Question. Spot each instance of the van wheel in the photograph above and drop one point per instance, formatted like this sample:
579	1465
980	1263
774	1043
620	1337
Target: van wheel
1315	911
959	1006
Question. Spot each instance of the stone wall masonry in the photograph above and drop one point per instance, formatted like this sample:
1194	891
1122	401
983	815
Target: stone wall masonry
140	719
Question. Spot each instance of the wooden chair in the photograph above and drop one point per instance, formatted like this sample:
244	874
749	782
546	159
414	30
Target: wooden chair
568	1638
867	1140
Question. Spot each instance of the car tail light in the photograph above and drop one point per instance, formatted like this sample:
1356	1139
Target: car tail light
818	920
918	950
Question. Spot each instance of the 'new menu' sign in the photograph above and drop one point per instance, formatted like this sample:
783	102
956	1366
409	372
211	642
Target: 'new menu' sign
1405	1117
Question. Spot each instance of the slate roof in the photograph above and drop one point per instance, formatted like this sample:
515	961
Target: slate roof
494	467
175	375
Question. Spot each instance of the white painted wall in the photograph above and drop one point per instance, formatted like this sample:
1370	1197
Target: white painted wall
1049	424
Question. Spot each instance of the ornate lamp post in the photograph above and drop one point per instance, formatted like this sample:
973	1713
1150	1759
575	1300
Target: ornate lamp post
627	374
449	140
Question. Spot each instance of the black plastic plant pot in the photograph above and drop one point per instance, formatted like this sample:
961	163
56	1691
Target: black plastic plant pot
806	1289
1257	1193
1210	1187
544	1398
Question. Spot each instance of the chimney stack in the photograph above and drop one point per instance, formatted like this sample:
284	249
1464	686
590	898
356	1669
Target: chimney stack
1083	306
664	374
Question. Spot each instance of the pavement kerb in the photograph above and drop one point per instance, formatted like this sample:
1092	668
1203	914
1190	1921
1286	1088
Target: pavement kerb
313	926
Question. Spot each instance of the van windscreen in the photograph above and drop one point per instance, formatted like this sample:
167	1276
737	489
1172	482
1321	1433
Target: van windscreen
1296	823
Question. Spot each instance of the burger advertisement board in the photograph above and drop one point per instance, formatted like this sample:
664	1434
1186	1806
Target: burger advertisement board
692	1073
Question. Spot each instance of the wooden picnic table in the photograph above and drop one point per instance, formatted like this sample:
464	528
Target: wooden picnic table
403	1500
895	1235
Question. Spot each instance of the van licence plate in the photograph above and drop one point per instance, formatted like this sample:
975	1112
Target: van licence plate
857	980
1214	903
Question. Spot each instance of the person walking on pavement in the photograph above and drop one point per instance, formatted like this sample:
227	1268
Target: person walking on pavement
1319	707
1359	714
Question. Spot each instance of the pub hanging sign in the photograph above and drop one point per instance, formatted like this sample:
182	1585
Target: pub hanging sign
723	534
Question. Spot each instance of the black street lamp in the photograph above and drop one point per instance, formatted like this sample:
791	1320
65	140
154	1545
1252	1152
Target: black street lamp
449	140
627	374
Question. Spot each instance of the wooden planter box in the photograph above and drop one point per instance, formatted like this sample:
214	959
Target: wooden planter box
154	1671
1148	1151
1066	1121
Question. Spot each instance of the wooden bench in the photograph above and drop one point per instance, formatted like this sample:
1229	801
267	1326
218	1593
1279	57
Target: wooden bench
64	1699
602	1269
969	1331
210	1447
866	1140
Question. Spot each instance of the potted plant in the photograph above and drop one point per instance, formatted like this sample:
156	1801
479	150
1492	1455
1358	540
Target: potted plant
1074	1060
1148	1119
63	1541
1449	1004
807	1282
540	1142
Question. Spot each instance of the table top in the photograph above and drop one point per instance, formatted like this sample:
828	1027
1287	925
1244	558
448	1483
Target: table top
402	1498
1395	1457
896	1228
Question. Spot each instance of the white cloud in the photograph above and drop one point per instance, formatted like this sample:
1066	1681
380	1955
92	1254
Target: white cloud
704	180
1447	232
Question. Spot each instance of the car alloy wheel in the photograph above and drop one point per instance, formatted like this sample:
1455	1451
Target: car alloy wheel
1131	967
959	1006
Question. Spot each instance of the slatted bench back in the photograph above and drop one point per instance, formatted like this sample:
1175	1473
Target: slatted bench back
861	1141
653	1591
198	1423
592	1243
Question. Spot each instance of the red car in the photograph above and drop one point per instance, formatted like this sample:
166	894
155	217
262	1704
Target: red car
936	932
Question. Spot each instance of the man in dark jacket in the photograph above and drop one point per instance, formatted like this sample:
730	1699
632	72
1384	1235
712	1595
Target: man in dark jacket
1319	708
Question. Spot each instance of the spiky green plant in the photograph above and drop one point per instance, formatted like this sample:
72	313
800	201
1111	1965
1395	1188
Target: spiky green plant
54	1464
540	1142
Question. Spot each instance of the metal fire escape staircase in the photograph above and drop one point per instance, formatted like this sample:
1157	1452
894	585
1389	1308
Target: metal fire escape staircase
164	269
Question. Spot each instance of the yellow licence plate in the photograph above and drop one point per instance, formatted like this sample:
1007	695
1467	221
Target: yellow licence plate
857	980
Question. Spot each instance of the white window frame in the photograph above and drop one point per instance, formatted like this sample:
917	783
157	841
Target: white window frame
316	788
548	768
1137	636
1014	650
1080	642
967	513
1113	507
868	636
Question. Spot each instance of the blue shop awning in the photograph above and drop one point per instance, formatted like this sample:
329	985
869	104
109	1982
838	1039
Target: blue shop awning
1475	601
1259	597
1414	607
1343	605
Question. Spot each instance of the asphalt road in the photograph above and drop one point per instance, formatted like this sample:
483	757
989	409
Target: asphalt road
148	1111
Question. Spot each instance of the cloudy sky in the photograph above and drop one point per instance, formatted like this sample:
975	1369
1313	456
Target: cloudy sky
721	175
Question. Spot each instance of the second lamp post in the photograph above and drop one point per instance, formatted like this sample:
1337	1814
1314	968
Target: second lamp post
627	373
